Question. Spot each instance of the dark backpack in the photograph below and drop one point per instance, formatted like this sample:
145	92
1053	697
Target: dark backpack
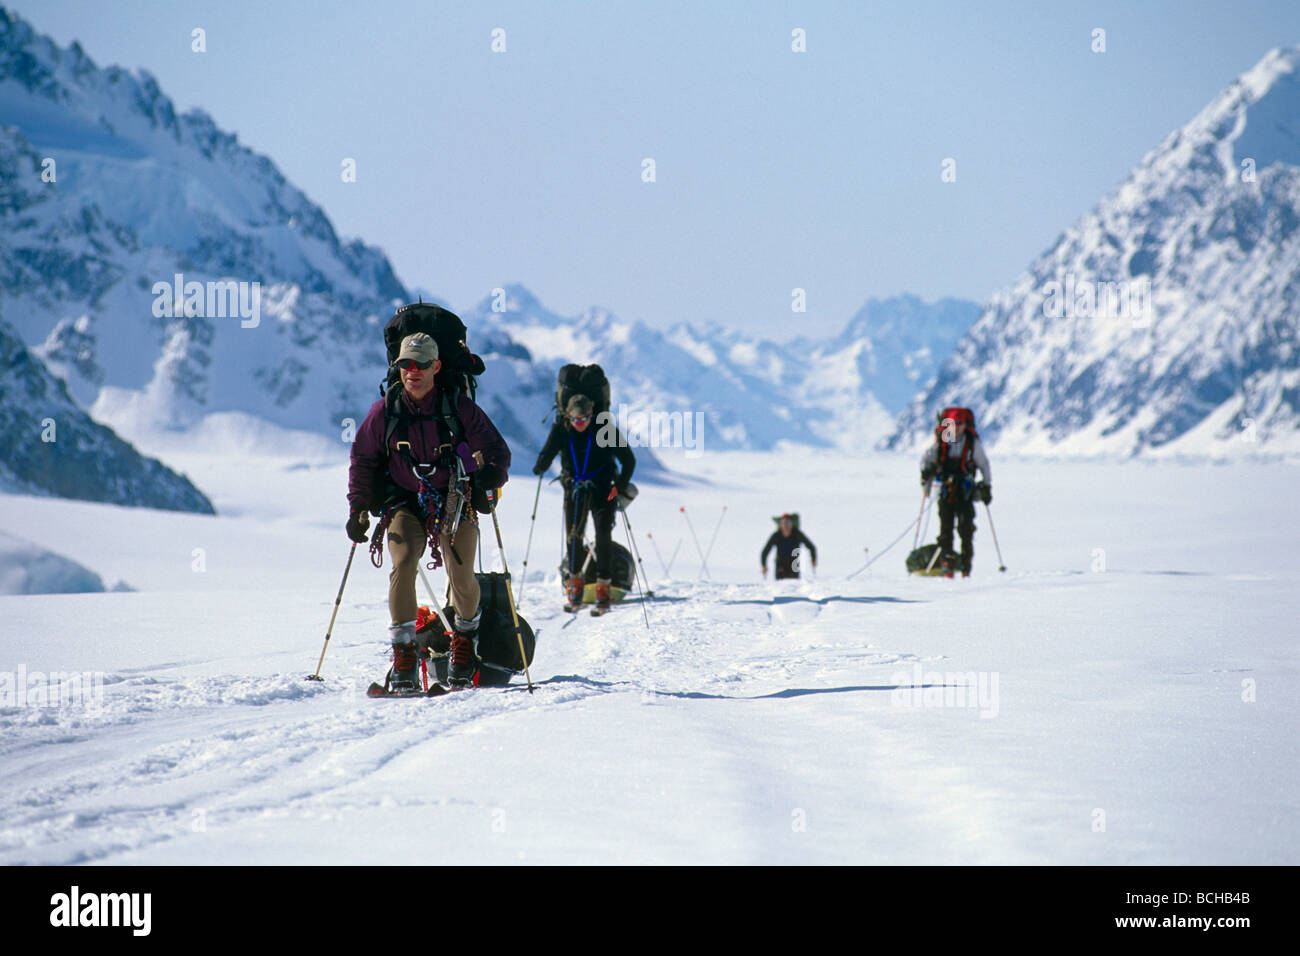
621	575
498	646
922	558
586	380
459	364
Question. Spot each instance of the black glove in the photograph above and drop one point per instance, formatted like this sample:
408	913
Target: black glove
984	493
489	477
540	467
358	524
927	475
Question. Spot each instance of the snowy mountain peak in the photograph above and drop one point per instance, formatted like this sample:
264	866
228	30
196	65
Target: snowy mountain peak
139	198
515	303
1166	319
1278	63
1254	123
53	448
752	392
1270	94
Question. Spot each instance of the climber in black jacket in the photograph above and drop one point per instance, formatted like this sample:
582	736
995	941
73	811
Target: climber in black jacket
787	540
596	465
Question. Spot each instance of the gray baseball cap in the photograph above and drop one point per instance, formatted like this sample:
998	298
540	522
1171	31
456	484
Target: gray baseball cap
418	346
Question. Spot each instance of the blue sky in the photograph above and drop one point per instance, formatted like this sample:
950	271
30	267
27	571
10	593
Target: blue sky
775	169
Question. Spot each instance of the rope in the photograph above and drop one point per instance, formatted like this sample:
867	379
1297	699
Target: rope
377	539
915	521
429	503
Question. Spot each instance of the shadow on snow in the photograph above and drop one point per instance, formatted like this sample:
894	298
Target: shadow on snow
822	602
700	695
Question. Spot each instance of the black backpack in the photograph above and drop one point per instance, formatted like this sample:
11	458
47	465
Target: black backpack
586	380
623	572
460	366
498	646
922	558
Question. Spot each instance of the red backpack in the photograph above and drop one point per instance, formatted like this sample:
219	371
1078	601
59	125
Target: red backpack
956	413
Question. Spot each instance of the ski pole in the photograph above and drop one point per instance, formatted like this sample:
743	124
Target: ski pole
532	523
672	558
641	580
657	554
716	529
434	602
436	605
1001	565
514	616
933	558
636	552
566	545
704	564
337	601
925	496
887	547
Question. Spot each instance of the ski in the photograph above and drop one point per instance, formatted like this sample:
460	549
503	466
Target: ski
377	689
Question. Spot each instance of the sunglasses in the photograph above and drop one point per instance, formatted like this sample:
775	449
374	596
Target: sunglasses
407	364
580	419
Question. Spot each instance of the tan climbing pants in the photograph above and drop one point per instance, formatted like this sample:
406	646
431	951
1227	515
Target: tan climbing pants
406	541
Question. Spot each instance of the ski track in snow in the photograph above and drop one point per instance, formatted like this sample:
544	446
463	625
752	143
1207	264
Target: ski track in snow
207	743
181	745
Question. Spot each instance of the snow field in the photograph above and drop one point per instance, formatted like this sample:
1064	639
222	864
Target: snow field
1136	711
